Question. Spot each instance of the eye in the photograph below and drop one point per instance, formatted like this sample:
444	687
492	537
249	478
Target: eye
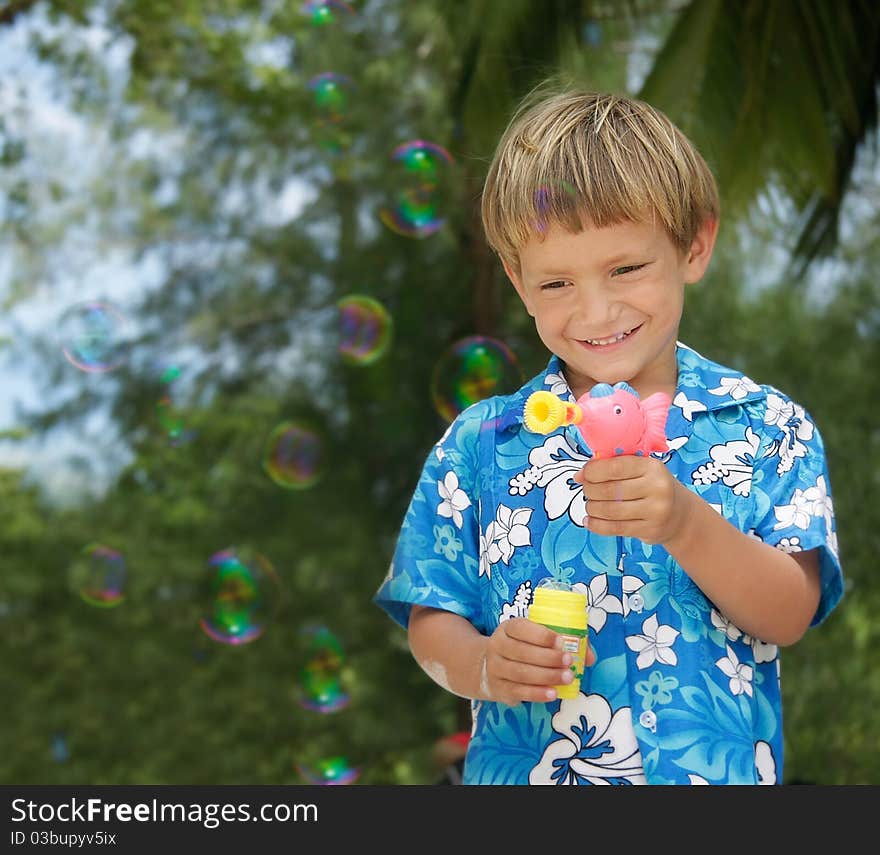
630	268
554	286
617	409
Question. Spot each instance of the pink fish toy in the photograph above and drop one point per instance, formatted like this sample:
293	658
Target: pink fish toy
612	420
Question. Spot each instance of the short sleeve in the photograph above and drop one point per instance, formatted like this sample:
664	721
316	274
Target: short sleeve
794	510
436	559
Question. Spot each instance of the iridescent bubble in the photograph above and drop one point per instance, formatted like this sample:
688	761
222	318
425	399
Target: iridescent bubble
331	97
323	649
241	597
294	456
60	751
420	182
330	94
324	12
98	575
471	369
321	693
169	413
591	33
364	329
92	336
170	419
320	678
552	201
170	373
328	771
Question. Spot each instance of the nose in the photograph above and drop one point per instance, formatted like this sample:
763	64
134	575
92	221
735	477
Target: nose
594	309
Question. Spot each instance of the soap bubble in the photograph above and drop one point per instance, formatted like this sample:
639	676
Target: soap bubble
168	411
552	201
98	575
169	373
170	420
92	336
331	105
471	369
321	693
294	456
320	687
591	33
328	771
60	751
330	95
323	12
420	189
364	329
241	598
323	649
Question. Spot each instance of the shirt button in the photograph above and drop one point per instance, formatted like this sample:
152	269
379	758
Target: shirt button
636	602
648	720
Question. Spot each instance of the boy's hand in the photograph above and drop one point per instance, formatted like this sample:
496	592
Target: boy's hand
633	496
524	661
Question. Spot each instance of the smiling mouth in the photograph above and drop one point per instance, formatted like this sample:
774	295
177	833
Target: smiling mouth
604	342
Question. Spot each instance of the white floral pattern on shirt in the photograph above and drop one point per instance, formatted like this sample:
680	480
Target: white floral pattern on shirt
740	674
732	463
758	461
654	643
599	602
791	418
454	499
509	529
594	745
556	461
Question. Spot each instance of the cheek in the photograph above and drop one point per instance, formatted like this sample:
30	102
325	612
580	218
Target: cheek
549	334
550	318
662	300
674	306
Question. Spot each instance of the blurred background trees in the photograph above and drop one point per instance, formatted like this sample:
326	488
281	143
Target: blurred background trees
225	172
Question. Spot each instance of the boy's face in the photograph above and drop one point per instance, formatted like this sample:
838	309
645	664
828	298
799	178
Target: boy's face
608	301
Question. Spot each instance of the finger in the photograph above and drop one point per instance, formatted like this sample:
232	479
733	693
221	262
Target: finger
533	675
616	511
614	528
523	692
523	629
615	491
615	468
533	654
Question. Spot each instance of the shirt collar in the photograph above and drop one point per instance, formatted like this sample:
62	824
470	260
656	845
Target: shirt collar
703	386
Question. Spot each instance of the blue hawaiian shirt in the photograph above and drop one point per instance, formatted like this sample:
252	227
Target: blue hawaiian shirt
678	694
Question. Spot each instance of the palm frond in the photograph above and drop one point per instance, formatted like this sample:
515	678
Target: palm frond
780	91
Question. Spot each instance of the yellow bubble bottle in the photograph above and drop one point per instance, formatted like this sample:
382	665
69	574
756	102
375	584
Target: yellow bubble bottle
557	606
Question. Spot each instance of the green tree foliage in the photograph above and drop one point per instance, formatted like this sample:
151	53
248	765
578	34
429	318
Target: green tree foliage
250	302
208	122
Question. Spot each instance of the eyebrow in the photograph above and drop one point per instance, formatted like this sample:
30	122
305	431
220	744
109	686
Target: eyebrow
610	262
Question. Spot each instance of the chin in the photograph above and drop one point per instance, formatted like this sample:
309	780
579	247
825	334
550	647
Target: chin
605	370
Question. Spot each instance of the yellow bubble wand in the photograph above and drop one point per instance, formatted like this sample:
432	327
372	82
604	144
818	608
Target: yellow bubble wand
544	412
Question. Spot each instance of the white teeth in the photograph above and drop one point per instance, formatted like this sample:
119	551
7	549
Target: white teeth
613	340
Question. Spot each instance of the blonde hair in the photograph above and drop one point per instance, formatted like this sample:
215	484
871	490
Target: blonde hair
601	157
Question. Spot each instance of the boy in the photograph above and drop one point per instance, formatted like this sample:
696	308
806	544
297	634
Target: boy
698	564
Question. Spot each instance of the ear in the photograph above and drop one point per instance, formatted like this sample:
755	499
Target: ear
514	276
697	258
